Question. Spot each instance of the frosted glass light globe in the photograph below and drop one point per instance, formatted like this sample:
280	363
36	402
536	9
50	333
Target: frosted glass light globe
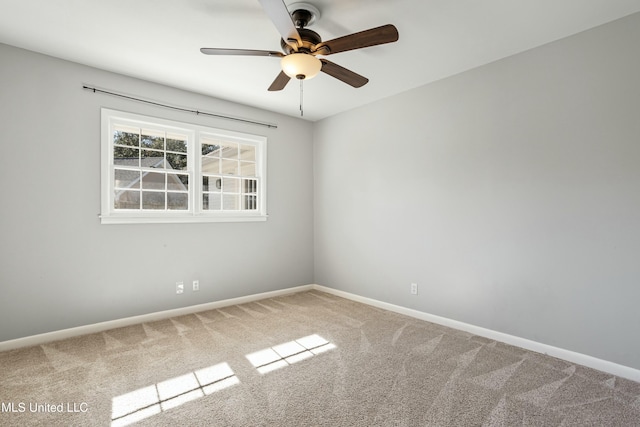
301	65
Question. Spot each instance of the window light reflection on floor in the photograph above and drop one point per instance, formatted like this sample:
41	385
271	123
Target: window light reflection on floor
286	354
148	401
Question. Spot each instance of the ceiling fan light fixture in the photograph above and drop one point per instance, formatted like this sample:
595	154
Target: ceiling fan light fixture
301	65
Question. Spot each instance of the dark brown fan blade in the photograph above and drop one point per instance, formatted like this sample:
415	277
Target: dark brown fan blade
342	74
373	37
246	52
280	82
279	15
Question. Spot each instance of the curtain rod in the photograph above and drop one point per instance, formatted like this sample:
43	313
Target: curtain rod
172	107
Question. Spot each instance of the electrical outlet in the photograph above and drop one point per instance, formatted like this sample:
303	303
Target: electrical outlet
196	285
179	288
414	289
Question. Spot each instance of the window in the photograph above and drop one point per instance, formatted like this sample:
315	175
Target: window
155	170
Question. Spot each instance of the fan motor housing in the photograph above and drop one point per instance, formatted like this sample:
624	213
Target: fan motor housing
309	39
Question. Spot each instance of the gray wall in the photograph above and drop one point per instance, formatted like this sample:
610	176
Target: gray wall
60	268
509	193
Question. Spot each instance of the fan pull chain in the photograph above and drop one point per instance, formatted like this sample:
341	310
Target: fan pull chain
301	109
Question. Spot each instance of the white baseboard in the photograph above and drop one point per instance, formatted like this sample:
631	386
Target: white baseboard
151	317
568	355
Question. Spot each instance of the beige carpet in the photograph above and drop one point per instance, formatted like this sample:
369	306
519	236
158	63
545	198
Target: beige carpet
307	359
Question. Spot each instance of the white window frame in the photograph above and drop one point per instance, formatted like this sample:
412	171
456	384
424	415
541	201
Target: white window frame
195	212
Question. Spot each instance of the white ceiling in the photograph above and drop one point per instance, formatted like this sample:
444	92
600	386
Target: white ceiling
159	40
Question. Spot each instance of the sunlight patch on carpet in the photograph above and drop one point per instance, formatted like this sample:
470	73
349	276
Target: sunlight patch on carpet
145	402
281	355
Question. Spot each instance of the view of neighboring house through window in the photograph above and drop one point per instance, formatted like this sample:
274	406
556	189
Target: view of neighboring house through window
150	169
155	170
228	175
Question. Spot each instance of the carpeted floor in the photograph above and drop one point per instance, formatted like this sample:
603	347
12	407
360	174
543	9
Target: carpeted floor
306	359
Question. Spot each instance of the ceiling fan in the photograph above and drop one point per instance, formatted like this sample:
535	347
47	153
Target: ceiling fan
301	46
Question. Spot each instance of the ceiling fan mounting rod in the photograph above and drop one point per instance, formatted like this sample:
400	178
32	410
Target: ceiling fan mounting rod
303	14
301	18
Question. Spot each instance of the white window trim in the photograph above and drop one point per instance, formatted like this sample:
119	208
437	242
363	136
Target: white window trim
194	214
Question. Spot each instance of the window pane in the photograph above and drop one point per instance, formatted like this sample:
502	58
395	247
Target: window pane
126	178
249	186
153	181
126	138
176	143
231	185
248	152
123	156
211	150
211	202
211	183
177	182
152	139
126	200
152	159
177	161
210	165
177	201
230	202
229	167
247	169
153	200
230	151
249	203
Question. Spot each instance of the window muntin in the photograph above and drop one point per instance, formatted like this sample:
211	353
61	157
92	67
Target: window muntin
156	170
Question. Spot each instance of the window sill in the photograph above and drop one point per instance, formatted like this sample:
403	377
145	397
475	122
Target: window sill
181	219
